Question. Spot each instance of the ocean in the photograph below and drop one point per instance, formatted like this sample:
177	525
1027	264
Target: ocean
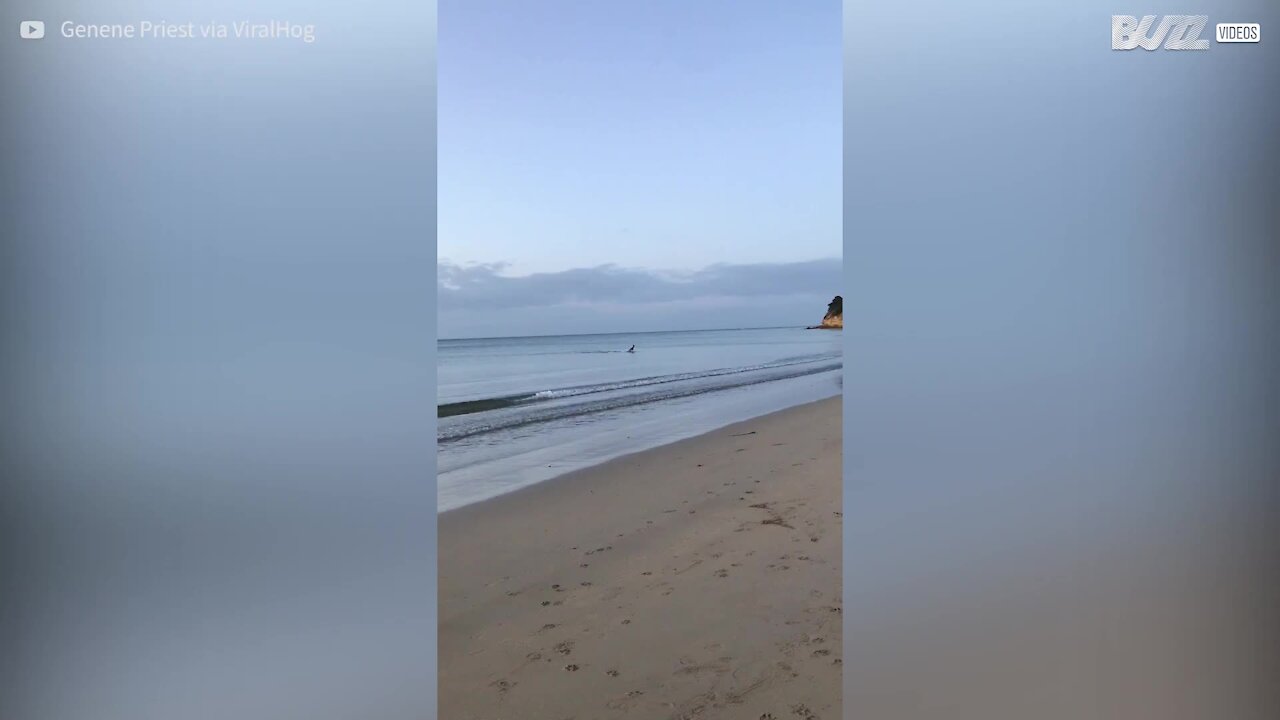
517	411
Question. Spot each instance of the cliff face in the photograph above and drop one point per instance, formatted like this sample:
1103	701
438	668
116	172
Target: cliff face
834	319
835	313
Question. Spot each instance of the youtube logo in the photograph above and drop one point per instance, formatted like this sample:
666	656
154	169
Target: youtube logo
31	29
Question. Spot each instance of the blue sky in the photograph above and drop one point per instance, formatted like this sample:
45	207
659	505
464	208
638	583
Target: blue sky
660	135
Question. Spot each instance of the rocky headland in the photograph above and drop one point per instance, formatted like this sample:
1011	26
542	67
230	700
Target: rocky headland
834	319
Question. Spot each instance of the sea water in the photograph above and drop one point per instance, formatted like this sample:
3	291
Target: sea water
517	411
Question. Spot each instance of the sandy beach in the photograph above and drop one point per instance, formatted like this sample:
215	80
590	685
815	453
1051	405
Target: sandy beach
696	580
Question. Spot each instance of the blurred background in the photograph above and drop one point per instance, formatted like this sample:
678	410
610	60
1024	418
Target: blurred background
216	354
1061	365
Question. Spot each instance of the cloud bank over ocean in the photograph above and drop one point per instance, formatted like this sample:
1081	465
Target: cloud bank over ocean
479	300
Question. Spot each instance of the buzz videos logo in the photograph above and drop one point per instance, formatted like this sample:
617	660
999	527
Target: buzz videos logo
1175	32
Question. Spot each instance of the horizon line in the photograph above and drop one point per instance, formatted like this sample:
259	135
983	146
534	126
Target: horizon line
637	332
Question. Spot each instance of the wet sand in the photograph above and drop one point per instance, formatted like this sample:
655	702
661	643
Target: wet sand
696	580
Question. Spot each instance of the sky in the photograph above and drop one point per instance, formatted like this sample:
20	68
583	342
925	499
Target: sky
654	139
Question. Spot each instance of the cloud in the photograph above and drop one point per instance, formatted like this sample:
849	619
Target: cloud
484	287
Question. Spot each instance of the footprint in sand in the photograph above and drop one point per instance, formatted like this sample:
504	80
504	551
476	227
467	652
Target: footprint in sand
611	673
571	668
564	648
803	711
722	573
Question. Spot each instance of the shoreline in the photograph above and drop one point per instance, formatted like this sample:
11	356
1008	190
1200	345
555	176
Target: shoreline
596	465
697	577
